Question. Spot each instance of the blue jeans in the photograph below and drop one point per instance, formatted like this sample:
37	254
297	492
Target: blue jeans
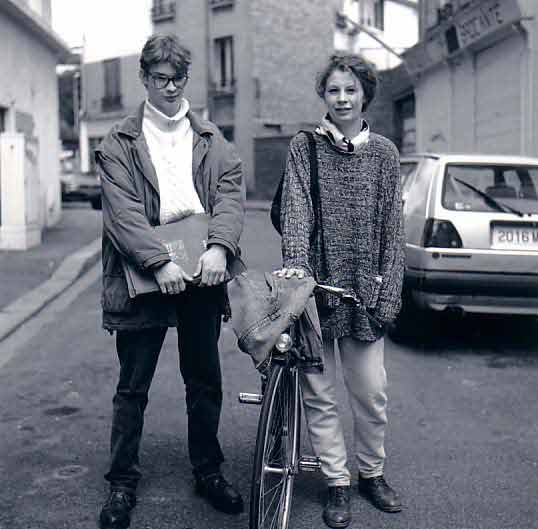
199	313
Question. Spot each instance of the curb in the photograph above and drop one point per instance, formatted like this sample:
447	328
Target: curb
28	305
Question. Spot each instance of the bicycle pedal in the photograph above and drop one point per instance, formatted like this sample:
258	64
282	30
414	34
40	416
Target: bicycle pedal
250	398
309	464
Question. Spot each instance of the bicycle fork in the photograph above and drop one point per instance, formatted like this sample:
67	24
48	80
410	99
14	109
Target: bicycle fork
305	463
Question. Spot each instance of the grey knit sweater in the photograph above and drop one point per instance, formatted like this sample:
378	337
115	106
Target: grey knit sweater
361	211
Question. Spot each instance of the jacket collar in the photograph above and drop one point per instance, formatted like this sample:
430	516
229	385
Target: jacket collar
132	125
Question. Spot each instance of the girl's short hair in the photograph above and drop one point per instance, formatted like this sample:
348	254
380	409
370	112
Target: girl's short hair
363	70
165	48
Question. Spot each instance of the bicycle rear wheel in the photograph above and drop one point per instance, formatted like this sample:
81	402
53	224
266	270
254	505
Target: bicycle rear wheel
277	451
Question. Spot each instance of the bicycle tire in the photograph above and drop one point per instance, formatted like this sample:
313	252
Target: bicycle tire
277	451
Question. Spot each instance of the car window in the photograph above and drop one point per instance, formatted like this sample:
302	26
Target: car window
514	185
407	168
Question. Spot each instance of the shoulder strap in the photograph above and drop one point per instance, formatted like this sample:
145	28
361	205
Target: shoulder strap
314	182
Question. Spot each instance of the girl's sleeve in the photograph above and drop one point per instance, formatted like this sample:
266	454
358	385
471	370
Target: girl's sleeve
297	215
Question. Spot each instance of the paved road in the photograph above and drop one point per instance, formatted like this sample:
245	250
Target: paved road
462	441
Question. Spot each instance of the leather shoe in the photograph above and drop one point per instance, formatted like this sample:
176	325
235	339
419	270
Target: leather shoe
116	512
380	494
220	494
337	512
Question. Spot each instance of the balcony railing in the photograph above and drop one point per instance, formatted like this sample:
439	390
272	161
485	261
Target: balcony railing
214	4
161	12
111	103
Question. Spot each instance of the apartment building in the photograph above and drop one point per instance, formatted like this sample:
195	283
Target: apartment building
254	65
476	76
111	90
29	122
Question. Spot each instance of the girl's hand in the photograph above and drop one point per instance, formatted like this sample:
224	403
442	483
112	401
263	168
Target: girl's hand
290	272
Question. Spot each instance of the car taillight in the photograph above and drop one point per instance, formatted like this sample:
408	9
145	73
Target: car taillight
441	234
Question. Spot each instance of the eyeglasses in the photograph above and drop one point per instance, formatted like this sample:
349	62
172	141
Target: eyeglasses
160	81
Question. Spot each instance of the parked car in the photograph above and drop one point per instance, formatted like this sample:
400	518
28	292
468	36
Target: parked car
471	227
78	186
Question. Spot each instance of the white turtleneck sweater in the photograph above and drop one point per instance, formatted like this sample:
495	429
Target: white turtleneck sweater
169	141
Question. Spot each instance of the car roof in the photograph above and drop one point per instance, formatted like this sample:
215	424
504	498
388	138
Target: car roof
471	158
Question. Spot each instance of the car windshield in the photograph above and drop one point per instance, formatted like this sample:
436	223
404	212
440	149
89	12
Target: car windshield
514	186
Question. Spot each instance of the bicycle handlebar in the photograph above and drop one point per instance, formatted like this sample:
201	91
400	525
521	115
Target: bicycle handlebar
349	297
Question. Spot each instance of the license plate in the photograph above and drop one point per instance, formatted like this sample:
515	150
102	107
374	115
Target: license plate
515	238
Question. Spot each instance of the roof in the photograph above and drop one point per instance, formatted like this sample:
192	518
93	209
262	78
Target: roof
34	24
473	158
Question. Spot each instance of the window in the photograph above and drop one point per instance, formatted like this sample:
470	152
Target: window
515	186
221	3
371	13
379	15
112	97
406	169
161	11
3	112
227	132
94	142
224	62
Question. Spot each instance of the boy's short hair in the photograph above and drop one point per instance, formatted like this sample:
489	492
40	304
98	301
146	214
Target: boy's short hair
165	48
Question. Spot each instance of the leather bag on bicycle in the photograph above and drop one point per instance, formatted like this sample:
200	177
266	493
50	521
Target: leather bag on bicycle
264	306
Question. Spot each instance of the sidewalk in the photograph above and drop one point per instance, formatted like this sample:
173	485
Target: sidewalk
31	279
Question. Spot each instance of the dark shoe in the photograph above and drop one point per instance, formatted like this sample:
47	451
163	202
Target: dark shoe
219	493
116	512
337	512
380	494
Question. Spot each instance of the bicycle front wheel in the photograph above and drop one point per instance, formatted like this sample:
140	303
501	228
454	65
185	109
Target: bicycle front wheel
277	451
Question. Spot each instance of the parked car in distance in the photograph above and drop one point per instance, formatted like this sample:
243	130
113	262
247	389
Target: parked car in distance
471	228
78	186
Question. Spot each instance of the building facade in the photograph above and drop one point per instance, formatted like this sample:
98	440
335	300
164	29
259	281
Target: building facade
29	124
254	66
381	31
111	90
378	29
476	75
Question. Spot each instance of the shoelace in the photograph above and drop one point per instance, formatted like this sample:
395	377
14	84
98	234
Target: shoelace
379	481
340	495
217	480
119	497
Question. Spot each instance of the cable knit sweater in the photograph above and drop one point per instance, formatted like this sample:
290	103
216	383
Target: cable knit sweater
361	210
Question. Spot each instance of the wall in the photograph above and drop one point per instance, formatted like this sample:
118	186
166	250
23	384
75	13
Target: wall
292	41
96	122
191	28
30	87
93	81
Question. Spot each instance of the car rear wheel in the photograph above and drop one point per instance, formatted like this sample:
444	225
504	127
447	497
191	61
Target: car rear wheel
96	203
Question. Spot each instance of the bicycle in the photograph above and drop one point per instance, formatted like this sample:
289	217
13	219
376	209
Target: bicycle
277	458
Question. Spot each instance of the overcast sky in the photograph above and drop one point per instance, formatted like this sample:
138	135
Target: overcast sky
110	27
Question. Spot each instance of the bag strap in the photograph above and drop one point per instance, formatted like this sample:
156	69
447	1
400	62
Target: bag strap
314	183
317	233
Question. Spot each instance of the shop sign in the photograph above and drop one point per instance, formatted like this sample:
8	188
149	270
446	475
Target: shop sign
487	17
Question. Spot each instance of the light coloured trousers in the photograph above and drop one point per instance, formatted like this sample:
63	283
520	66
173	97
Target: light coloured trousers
365	380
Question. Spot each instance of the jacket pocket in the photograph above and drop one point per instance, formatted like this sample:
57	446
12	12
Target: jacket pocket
368	286
115	296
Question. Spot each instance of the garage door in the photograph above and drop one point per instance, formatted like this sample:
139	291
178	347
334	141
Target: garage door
498	98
